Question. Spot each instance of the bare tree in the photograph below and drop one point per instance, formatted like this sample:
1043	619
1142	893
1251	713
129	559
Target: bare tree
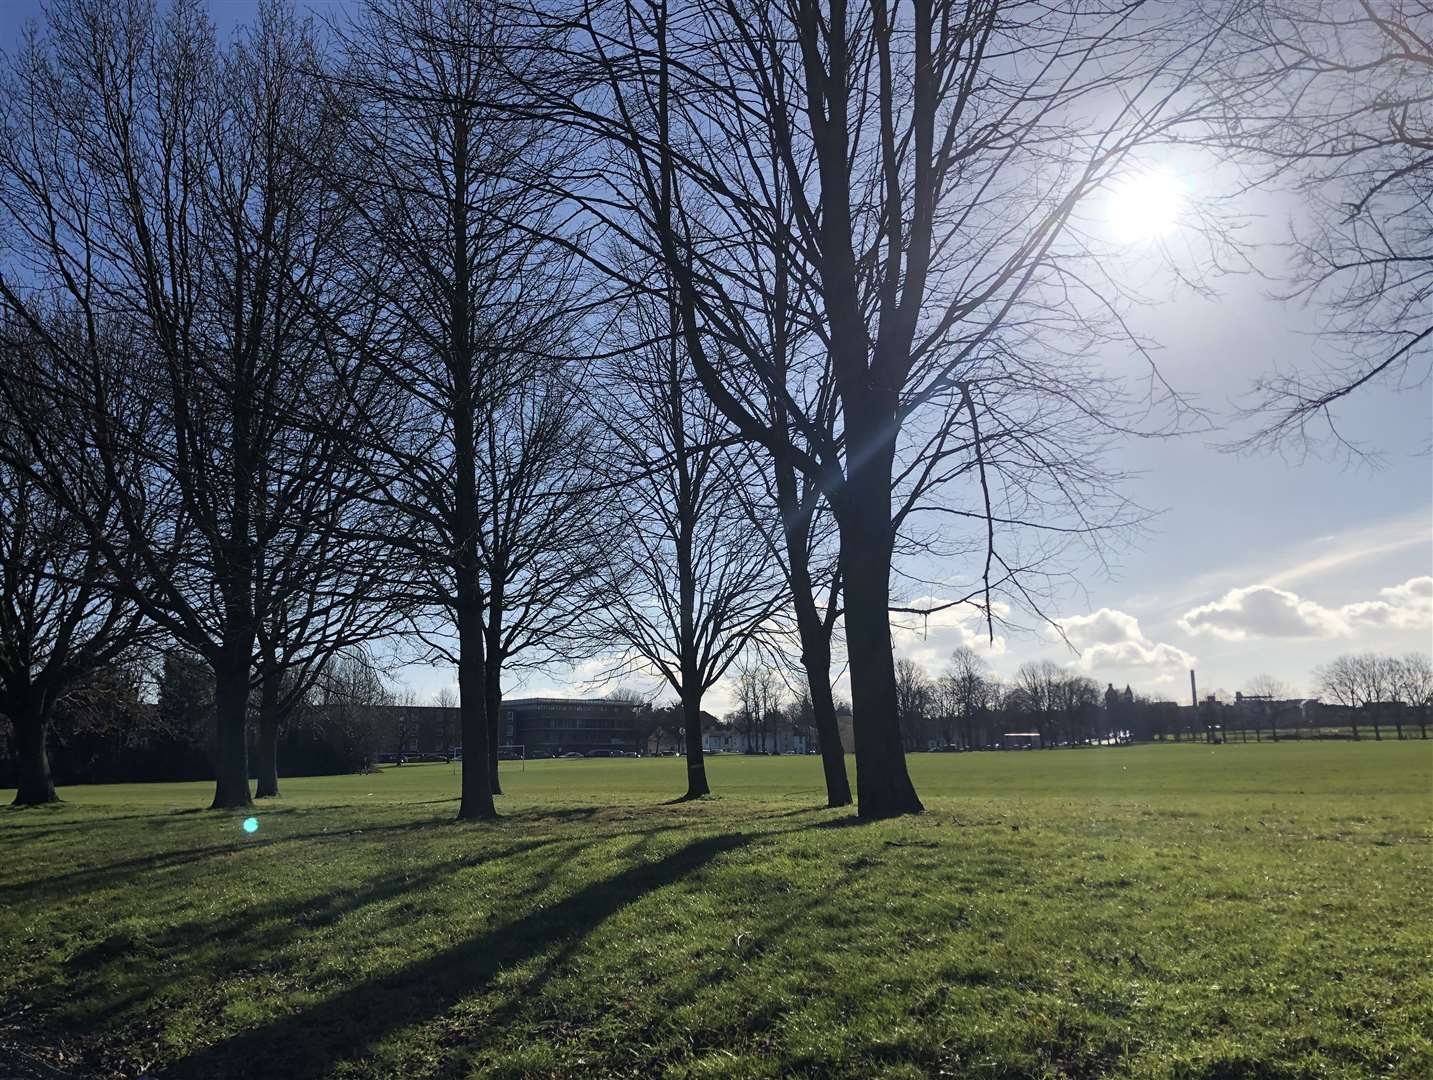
689	585
466	298
968	688
759	688
1268	686
1272	690
916	190
546	523
347	703
1411	684
1330	97
1037	682
913	701
1359	682
1076	697
168	241
62	623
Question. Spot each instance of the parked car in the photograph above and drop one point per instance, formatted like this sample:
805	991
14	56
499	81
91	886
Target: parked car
572	753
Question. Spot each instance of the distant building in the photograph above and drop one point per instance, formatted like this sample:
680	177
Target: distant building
724	738
411	730
568	725
539	725
728	738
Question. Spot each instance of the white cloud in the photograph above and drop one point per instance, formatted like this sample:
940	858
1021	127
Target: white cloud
930	639
1113	639
1263	611
1413	593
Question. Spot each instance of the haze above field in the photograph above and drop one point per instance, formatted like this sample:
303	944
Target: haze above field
1256	564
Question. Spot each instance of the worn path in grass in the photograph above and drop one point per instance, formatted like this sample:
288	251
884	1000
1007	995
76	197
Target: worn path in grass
1166	911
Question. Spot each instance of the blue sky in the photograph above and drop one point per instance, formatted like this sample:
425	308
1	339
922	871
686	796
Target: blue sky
1256	564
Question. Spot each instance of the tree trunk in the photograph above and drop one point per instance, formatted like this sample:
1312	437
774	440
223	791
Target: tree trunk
36	787
231	715
477	790
494	702
266	769
696	763
828	732
883	786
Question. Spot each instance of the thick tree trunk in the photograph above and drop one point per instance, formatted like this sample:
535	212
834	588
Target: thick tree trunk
36	786
231	709
266	768
477	789
883	786
696	763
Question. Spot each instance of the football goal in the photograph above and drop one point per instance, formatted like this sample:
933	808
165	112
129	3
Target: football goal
514	752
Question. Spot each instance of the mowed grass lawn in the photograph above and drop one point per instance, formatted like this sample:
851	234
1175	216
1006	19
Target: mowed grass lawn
1165	911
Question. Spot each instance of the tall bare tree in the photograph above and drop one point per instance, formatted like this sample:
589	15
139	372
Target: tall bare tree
161	211
969	687
1412	685
62	624
546	524
467	299
916	174
689	585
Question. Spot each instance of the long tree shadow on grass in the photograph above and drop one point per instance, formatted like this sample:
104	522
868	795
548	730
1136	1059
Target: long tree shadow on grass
112	978
124	870
308	1044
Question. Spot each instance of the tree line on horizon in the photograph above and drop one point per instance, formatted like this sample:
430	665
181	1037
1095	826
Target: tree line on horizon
672	334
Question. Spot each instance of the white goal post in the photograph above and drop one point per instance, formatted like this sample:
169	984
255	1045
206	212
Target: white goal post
513	752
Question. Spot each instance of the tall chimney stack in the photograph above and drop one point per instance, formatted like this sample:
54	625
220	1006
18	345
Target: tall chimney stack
1193	693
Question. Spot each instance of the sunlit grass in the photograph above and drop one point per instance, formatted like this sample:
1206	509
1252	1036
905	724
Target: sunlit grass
1193	911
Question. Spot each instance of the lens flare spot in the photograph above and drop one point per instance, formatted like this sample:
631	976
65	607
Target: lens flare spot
251	824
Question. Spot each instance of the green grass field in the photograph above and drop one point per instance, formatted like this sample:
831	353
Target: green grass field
1168	911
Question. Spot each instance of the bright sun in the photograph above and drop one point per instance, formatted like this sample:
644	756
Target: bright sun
1146	205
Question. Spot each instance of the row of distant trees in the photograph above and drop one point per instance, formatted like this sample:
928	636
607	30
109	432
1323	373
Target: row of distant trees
515	334
967	705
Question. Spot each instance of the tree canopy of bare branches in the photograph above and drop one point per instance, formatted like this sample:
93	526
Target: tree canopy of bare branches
169	238
1331	99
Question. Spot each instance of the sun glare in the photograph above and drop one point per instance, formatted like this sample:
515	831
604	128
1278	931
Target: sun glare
1146	205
